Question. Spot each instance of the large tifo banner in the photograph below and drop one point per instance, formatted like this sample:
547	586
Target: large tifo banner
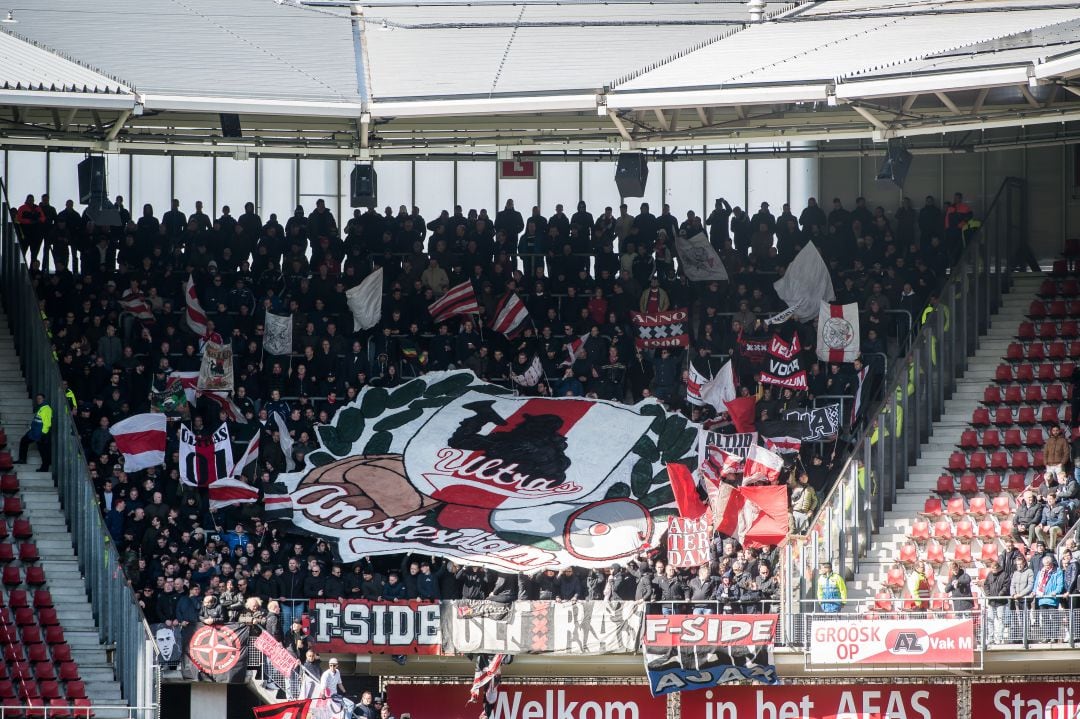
1034	700
830	701
529	701
888	641
467	627
215	652
699	651
452	466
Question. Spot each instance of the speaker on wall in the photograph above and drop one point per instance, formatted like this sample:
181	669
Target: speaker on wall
363	186
631	174
230	125
897	163
92	180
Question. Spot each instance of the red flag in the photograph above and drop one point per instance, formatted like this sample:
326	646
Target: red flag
296	709
685	489
742	411
761	463
770	526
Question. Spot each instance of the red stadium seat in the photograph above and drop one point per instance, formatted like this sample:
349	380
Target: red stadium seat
59	709
21	529
1019	461
956	507
1014	353
909	553
1069	329
957	464
61	652
75	690
1026	331
969	439
935	554
883	600
13	506
1047	373
18	598
11	576
9	484
1058	310
1067	368
1047	288
969	483
977	463
1060	268
1038	459
69	671
961	553
895	578
1055	393
35	576
992	484
1034	438
1049	415
933	508
7	553
1036	310
987	529
943	530
54	635
28	553
1003	417
1013	395
992	396
1003	374
980	417
1033	394
989	553
1047	330
920	531
1056	351
1005	527
1069	288
965	530
977	507
38	653
1013	439
1025	417
1036	352
14	653
42	598
3	529
7	689
45	671
31	635
20	671
999	461
945	485
991	439
25	617
47	617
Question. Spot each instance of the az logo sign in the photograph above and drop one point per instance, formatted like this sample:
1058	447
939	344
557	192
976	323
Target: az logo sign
907	642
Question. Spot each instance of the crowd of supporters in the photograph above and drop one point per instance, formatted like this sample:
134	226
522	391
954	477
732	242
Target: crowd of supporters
578	274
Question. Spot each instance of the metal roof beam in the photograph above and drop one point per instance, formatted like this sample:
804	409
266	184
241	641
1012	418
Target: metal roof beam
869	117
947	102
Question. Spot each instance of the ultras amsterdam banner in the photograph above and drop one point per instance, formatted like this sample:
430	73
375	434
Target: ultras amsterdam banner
452	466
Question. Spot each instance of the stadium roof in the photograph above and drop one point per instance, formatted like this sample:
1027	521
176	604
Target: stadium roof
445	78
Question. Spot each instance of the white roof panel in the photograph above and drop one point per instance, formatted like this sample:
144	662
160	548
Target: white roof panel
26	67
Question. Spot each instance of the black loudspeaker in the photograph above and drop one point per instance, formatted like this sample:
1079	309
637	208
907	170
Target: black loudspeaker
92	180
363	186
631	174
230	125
896	165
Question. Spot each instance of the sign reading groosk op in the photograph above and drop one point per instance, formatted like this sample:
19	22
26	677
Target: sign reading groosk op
888	641
452	466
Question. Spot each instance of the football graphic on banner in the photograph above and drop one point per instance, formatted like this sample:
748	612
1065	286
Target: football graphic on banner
449	465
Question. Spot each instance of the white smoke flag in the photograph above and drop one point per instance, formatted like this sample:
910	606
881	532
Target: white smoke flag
698	260
720	390
805	283
278	337
365	300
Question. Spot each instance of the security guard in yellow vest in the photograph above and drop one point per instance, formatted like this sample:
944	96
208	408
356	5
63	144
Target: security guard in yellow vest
39	433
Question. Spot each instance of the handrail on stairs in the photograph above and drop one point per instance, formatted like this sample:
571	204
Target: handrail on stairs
120	620
887	444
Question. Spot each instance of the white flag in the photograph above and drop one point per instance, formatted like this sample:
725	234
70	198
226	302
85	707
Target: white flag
720	389
698	260
761	464
694	382
285	441
277	339
532	374
195	316
365	300
141	439
229	491
806	283
838	332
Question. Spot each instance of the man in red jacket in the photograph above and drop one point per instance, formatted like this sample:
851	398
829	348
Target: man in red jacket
31	220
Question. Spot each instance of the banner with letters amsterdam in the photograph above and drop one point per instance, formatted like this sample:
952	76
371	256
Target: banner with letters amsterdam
700	651
892	641
662	329
449	465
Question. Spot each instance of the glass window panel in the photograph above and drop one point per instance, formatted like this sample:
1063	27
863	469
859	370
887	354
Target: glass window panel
726	179
151	183
118	176
395	184
64	178
318	181
522	191
598	187
235	185
767	180
26	176
683	182
193	181
558	186
434	188
277	188
476	186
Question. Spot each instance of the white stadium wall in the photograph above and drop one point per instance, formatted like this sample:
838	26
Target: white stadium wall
278	185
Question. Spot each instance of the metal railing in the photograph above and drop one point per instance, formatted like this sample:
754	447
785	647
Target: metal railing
121	625
888	443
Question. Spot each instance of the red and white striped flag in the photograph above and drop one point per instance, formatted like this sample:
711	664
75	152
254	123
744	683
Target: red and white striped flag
232	412
719	464
838	332
784	445
572	347
460	300
141	439
196	318
134	303
250	455
694	382
509	314
761	464
228	491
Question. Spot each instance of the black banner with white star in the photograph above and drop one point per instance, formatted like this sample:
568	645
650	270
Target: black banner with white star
662	329
215	652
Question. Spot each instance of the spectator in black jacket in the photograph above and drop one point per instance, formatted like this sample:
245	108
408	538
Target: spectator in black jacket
702	588
570	586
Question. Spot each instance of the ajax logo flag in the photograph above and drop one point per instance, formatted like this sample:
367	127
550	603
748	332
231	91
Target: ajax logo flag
449	465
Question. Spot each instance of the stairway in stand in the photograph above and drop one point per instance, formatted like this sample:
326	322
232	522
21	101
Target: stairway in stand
34	509
891	542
